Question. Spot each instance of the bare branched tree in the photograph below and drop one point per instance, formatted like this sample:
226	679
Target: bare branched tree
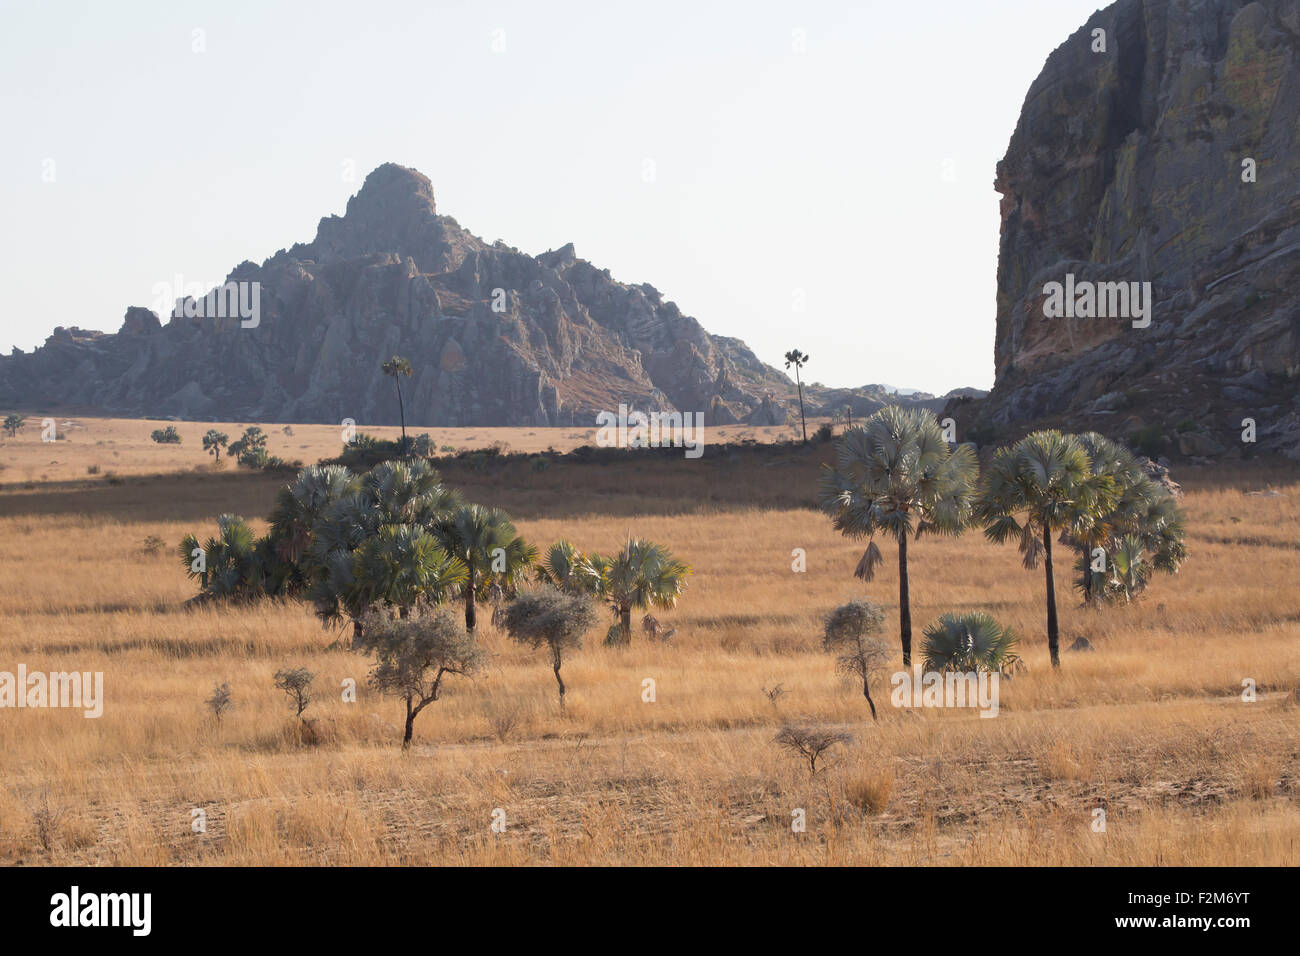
774	694
296	682
850	630
809	743
414	654
551	618
220	701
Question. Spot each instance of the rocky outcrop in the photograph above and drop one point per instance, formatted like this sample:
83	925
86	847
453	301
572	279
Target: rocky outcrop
1169	157
855	404
140	321
495	336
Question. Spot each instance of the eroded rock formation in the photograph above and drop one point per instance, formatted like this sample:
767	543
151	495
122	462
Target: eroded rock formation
1134	165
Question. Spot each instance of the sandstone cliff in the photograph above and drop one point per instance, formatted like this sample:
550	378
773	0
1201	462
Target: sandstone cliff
1133	165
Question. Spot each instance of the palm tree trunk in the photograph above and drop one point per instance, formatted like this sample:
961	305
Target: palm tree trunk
904	602
625	621
401	410
1053	631
1087	576
471	615
866	692
802	423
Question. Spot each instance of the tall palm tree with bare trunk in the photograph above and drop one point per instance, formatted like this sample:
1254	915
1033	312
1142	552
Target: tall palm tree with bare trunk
798	360
1042	486
485	542
398	367
896	475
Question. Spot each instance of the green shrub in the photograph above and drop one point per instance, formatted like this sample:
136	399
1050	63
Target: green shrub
969	642
250	449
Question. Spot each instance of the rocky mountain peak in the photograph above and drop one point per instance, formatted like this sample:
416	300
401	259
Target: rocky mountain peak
391	192
394	211
496	336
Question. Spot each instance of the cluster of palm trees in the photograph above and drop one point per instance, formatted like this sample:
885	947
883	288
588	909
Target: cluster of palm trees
641	576
896	476
395	537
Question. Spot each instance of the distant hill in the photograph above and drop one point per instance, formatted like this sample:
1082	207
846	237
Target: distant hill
495	337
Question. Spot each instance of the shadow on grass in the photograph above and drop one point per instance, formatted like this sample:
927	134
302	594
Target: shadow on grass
627	483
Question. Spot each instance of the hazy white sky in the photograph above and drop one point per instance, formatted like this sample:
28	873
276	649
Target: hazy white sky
775	170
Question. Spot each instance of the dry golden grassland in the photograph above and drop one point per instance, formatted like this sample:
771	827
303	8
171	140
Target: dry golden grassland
122	446
1151	726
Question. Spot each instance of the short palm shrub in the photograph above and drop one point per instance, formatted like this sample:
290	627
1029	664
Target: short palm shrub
967	643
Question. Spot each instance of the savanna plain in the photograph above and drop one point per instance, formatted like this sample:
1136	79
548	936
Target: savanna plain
1151	726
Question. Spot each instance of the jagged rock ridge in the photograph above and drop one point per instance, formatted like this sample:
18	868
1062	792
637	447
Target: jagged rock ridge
392	276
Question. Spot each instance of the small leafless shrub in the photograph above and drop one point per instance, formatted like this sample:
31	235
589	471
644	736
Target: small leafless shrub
774	694
46	819
809	743
296	682
504	722
220	701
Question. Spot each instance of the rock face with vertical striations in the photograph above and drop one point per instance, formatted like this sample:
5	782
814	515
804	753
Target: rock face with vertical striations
496	337
1130	165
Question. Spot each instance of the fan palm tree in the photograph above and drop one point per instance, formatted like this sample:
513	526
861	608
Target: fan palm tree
966	643
392	494
1040	487
301	503
641	576
1128	567
798	360
214	441
568	569
404	564
519	559
484	540
409	492
1163	531
896	475
1141	509
236	563
396	367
